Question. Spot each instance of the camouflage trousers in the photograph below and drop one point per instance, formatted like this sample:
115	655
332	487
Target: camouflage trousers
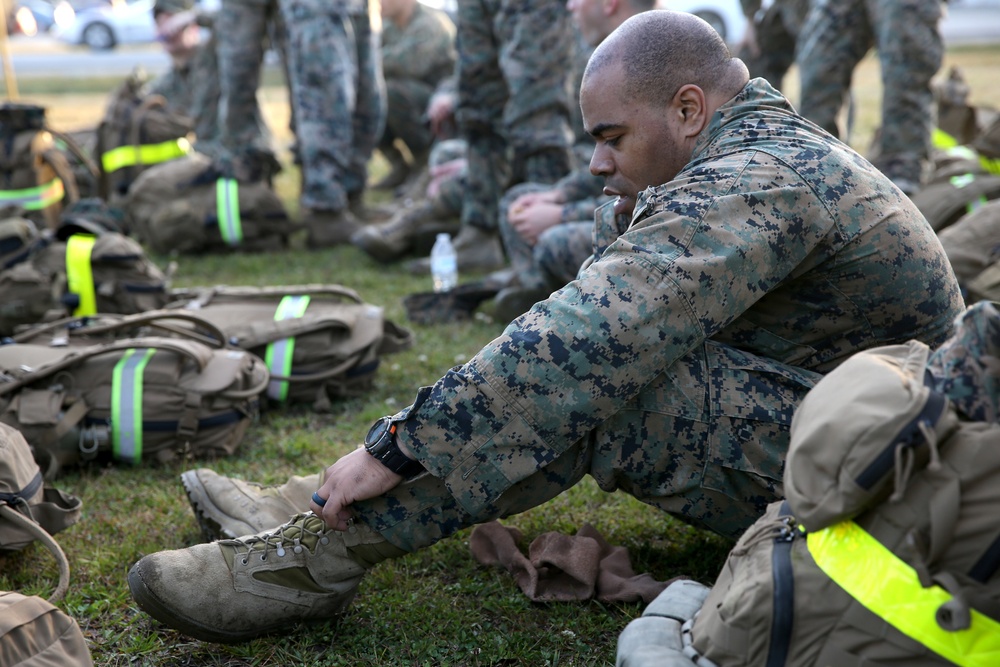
836	36
777	29
242	28
338	99
513	100
705	441
405	119
557	255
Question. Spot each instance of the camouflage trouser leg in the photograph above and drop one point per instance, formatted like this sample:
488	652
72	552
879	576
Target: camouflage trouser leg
240	29
561	250
338	98
705	441
835	37
513	102
520	254
776	45
407	104
910	51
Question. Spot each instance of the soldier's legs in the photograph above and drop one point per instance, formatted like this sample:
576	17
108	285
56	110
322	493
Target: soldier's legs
910	52
561	250
519	252
705	441
368	118
407	104
777	48
834	39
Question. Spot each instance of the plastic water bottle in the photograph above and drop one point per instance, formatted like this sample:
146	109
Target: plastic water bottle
444	264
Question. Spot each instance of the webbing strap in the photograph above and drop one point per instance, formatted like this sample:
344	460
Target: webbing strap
890	589
79	278
279	353
34	199
783	597
227	210
126	405
129	156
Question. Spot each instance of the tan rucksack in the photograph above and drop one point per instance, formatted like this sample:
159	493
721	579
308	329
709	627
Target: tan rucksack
36	180
887	549
130	399
320	342
136	133
186	206
944	203
35	633
30	510
973	242
76	271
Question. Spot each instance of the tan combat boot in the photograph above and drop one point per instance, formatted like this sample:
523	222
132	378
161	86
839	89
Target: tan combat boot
234	590
226	507
390	240
477	251
329	228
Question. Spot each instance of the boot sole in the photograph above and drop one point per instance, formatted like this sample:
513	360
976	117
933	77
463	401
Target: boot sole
205	510
152	605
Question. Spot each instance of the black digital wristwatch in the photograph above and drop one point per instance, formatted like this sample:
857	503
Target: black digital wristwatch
381	444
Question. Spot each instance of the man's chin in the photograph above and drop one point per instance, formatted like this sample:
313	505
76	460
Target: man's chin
624	205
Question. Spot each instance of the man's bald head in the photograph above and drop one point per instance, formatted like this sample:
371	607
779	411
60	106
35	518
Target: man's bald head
662	50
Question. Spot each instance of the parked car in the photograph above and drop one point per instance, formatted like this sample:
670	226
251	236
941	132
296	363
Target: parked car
105	26
726	16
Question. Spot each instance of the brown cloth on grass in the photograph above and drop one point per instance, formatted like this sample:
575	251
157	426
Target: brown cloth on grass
561	568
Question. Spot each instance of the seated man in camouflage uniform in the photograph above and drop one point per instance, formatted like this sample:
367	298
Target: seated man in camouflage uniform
746	254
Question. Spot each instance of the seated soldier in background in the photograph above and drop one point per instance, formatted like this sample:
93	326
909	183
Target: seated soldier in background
756	255
418	52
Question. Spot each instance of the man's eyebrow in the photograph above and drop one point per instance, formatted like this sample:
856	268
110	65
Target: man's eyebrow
601	128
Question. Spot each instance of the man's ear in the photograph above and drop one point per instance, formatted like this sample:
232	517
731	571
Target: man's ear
691	108
610	7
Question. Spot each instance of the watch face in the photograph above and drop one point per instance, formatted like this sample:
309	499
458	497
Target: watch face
376	432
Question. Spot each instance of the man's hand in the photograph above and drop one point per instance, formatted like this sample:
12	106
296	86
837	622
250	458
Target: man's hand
531	220
357	476
440	110
442	173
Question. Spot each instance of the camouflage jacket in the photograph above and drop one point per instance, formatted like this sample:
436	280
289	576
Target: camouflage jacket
775	238
424	50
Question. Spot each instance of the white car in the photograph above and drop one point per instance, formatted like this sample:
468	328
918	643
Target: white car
726	16
108	25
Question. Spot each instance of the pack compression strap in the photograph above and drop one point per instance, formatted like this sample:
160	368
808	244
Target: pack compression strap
279	353
227	210
126	404
34	199
79	278
890	589
129	156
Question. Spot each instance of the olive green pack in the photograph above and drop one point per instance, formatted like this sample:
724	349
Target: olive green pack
187	206
79	395
886	549
321	342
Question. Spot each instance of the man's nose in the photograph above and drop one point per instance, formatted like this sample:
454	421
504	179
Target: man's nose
600	162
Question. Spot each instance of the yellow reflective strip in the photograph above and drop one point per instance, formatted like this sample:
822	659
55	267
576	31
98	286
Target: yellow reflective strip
943	140
79	279
990	165
889	588
128	156
34	199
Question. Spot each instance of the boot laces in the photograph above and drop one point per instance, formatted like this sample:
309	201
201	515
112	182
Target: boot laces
304	532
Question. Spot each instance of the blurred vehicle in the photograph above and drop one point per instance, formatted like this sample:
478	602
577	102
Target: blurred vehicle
107	25
32	17
726	16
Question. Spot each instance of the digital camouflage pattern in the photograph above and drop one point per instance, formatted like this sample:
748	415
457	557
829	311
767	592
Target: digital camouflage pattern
559	251
965	366
192	90
415	59
338	96
241	30
836	36
777	28
513	98
671	367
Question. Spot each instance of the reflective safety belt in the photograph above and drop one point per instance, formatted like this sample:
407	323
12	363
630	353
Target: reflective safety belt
126	404
79	278
34	199
279	353
949	144
964	180
890	589
129	156
227	210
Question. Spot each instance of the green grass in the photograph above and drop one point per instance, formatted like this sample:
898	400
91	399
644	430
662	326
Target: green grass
436	607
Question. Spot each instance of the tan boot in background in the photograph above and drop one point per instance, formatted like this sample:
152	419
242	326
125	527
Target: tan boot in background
234	590
226	507
329	228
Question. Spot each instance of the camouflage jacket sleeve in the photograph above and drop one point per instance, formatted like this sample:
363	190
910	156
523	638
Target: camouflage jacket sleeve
773	239
424	50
